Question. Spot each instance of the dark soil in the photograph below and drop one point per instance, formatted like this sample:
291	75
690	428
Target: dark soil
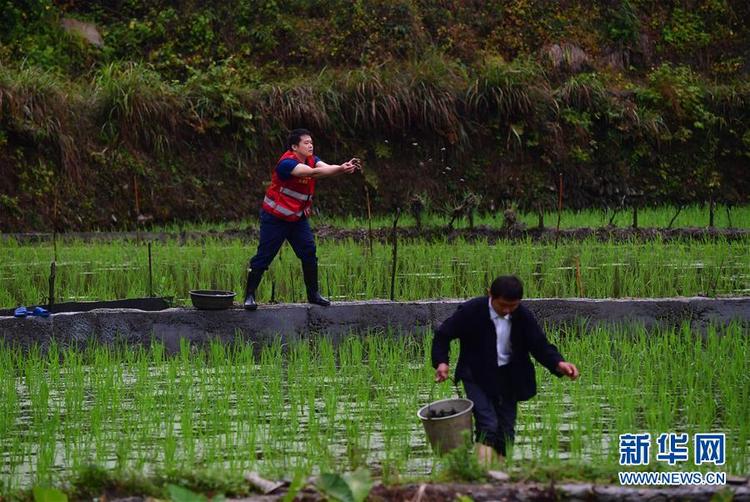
448	492
490	234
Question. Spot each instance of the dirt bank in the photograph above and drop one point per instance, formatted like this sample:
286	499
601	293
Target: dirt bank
490	234
738	490
291	322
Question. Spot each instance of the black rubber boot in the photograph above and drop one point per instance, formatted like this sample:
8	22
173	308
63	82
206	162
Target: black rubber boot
310	272
253	279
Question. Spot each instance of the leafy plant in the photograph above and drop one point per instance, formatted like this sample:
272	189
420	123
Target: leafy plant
686	31
42	494
624	25
462	464
347	487
181	494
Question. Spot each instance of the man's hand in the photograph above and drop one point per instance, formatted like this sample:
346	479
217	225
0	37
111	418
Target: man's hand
567	369
351	165
441	373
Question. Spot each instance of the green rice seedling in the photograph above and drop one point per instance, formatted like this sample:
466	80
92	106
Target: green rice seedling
694	215
648	217
323	404
589	268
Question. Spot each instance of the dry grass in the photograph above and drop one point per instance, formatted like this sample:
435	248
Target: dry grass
517	89
135	107
46	110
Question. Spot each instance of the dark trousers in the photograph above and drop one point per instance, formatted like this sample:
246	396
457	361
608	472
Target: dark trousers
494	415
274	231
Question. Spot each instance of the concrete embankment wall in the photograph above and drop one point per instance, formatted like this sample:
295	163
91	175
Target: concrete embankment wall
296	321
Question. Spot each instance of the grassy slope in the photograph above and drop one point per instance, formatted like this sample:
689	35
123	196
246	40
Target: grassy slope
185	103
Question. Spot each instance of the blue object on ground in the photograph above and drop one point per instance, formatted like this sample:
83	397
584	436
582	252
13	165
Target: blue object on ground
21	312
39	312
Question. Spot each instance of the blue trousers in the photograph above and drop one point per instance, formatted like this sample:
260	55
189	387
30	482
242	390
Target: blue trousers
494	416
274	231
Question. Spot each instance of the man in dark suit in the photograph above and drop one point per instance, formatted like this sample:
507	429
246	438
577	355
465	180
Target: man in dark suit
496	335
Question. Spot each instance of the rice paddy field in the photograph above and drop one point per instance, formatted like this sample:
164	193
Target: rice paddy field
350	271
290	411
316	407
648	217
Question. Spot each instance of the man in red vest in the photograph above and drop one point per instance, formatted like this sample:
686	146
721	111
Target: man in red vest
286	207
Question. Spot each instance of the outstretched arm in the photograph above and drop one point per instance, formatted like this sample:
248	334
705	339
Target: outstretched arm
323	170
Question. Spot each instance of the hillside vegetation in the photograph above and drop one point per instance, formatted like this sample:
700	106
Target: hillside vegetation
181	110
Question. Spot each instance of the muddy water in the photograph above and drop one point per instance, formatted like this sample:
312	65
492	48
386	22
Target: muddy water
245	418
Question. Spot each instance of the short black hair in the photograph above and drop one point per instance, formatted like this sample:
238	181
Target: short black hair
295	136
509	287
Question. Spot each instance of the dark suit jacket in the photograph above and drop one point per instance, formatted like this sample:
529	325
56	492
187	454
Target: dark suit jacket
477	358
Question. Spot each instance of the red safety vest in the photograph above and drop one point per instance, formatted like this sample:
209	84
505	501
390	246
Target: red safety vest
290	199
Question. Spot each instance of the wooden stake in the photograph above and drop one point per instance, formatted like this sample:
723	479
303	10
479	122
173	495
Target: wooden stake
137	197
54	227
369	218
52	276
137	210
559	209
394	235
150	273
